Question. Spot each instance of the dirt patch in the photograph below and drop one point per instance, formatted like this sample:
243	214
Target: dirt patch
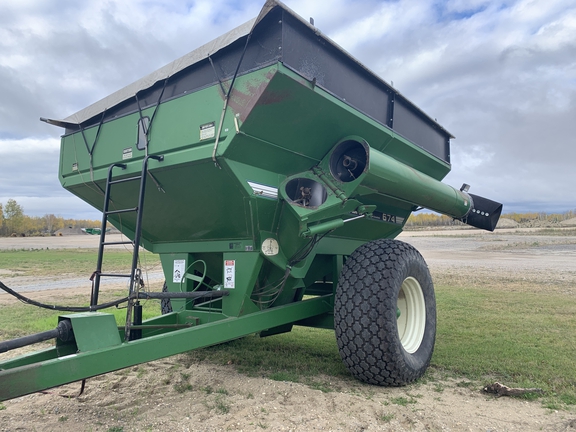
521	259
175	394
166	395
569	222
507	223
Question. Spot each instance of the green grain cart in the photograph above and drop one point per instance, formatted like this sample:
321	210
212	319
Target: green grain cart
271	171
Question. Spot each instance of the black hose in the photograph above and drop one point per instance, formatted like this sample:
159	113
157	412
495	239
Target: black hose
63	332
139	295
62	308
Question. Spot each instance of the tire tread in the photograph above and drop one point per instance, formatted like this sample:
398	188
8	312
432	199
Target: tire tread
365	313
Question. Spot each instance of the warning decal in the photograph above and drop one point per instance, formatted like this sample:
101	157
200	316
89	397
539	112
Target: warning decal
207	131
178	270
127	153
229	274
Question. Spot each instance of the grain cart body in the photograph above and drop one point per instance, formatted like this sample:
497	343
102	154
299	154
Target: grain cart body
279	169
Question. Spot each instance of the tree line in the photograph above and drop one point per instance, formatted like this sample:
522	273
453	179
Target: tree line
431	220
14	222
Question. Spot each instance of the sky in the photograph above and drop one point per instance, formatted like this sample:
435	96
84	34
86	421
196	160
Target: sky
498	75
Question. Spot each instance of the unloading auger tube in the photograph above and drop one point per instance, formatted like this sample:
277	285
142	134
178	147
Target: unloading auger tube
353	162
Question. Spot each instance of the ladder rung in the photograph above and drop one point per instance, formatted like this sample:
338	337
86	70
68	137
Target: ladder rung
121	211
125	180
135	272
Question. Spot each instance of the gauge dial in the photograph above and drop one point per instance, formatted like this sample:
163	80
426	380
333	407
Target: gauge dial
270	247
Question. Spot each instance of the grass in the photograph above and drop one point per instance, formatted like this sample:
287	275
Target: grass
521	338
220	405
51	262
299	356
183	385
403	401
19	319
218	402
386	417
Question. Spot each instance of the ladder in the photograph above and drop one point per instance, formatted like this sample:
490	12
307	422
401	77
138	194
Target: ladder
135	273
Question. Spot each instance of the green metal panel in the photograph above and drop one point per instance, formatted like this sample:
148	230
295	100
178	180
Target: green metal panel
39	356
241	274
292	142
86	338
264	140
45	374
176	266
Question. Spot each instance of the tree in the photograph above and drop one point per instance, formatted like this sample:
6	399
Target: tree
1	216
50	222
13	216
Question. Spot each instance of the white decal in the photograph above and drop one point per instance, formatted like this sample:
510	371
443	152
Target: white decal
229	274
179	270
263	190
207	131
127	153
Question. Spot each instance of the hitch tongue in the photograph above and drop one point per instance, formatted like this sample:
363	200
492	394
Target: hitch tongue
63	332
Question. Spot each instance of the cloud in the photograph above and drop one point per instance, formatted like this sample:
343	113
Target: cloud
499	75
501	79
29	167
58	57
29	174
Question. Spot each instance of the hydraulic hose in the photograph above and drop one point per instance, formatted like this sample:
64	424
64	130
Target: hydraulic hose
63	332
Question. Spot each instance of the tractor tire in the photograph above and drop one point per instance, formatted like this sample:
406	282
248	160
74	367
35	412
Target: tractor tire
385	313
165	304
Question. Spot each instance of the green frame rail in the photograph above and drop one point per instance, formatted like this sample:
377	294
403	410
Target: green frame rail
104	352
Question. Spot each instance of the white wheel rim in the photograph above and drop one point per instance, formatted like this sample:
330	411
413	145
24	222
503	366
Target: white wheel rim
412	319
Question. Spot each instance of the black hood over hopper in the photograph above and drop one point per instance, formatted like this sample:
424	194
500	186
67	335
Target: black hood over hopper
278	34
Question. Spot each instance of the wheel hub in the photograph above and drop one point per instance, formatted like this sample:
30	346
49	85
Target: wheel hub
411	314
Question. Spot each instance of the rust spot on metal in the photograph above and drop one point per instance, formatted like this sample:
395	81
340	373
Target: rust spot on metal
272	97
242	102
